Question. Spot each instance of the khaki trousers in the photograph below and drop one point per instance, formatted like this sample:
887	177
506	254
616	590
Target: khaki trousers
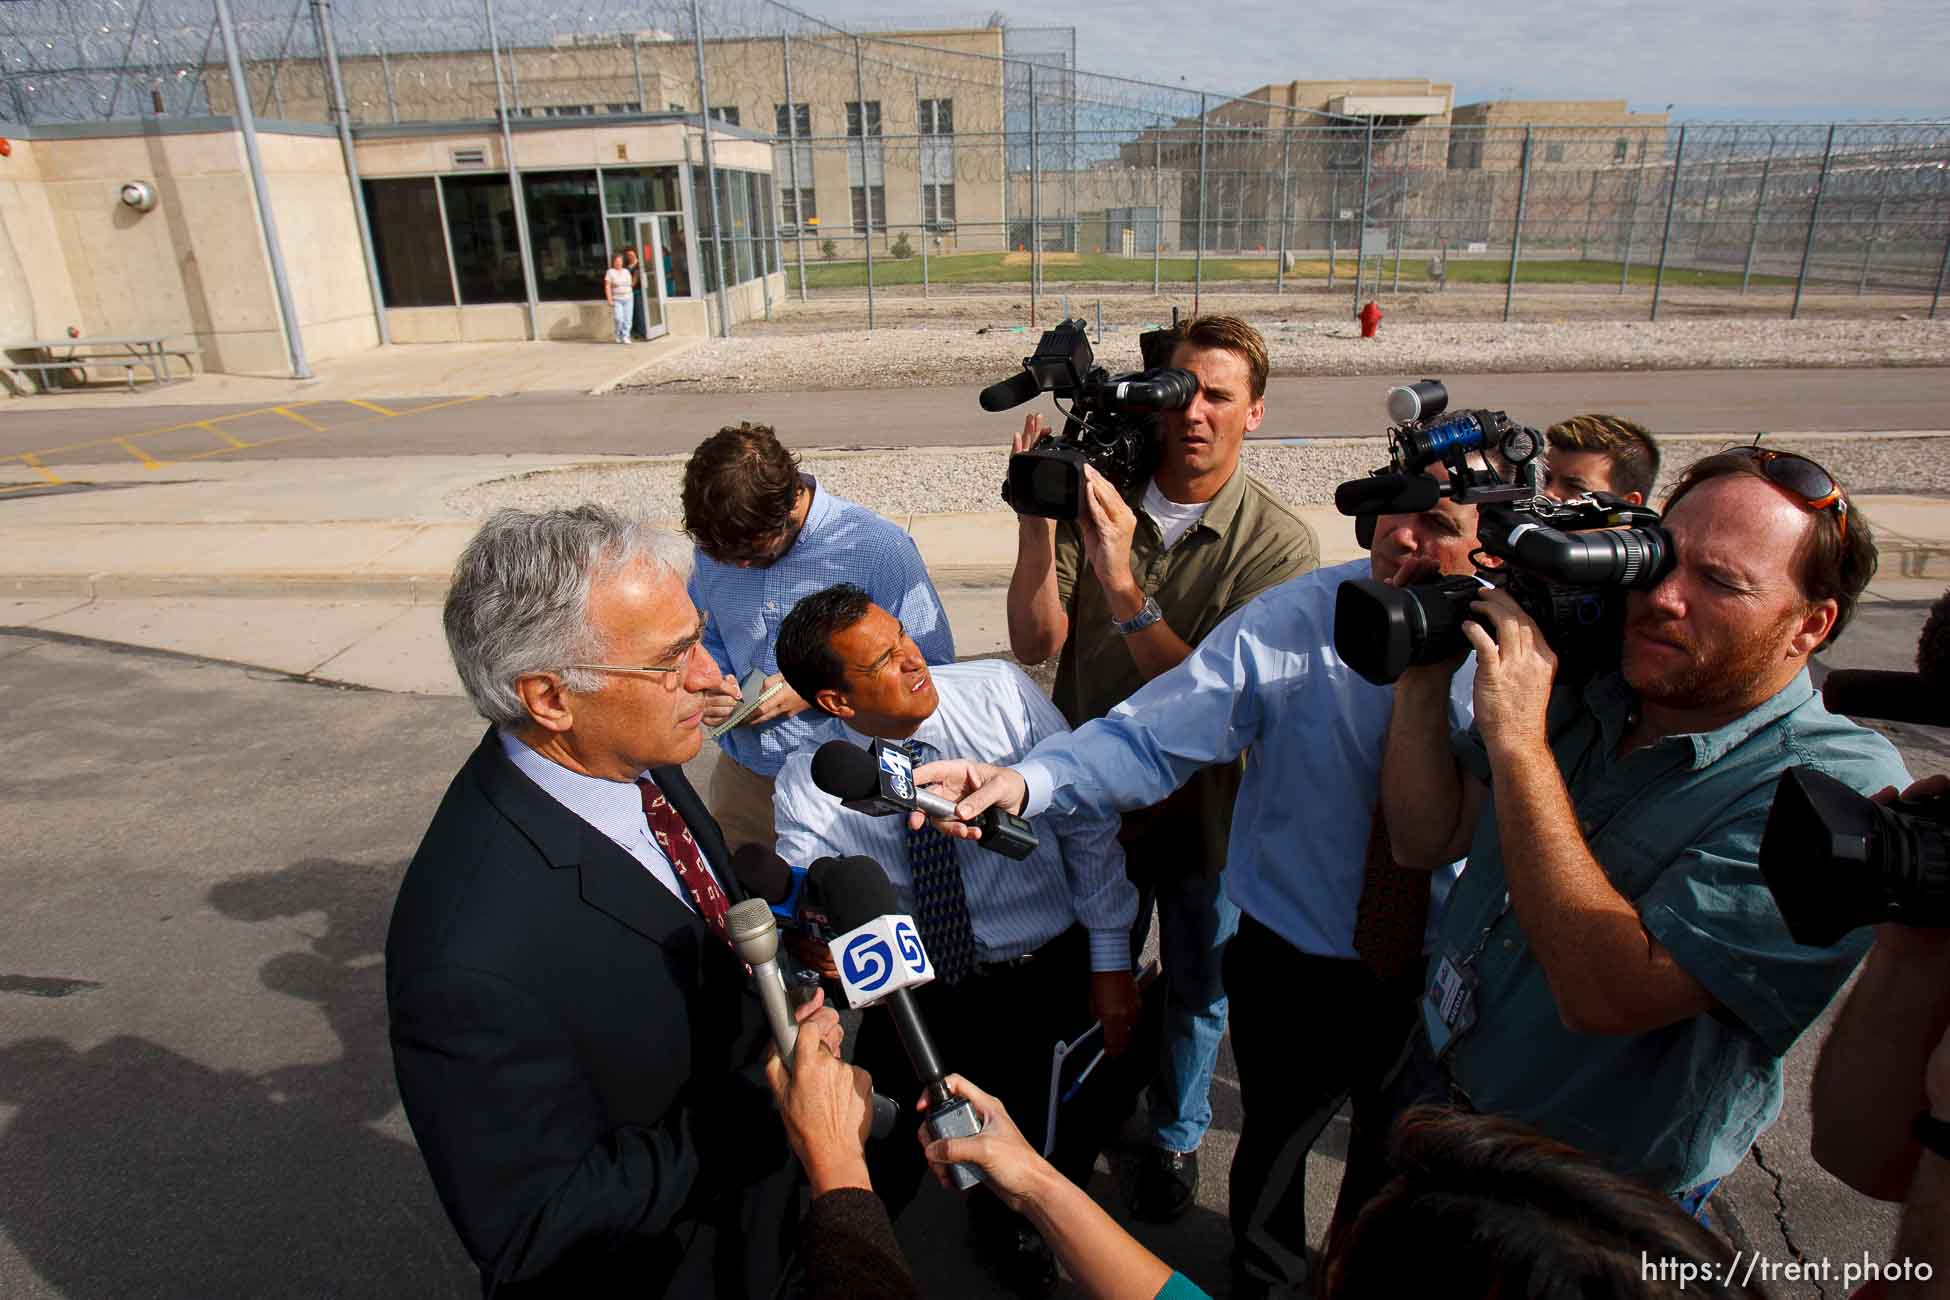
741	800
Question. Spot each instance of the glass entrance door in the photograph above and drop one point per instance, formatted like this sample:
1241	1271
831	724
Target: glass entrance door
641	233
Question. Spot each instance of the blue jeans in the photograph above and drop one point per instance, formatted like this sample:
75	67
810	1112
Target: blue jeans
619	311
1195	920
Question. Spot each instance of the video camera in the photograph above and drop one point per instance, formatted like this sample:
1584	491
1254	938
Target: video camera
1112	421
1564	563
1835	860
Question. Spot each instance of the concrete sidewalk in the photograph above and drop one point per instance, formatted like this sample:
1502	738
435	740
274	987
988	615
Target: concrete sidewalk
428	370
338	570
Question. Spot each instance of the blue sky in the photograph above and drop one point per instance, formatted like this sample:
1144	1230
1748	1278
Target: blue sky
1787	60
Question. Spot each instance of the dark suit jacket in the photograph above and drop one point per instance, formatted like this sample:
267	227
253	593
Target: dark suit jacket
577	1054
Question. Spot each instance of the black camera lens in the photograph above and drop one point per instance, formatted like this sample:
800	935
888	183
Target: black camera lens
1836	861
1380	631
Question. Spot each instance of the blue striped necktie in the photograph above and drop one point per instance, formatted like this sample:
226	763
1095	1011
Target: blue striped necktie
940	901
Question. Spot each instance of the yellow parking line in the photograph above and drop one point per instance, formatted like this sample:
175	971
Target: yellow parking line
33	462
370	406
292	415
452	401
148	461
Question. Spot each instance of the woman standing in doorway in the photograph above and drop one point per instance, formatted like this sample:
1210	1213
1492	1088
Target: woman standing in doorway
622	299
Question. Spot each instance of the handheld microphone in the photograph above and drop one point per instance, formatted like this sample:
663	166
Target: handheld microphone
755	934
879	781
1013	391
764	874
879	957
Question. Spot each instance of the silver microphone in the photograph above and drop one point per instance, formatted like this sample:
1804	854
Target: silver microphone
754	934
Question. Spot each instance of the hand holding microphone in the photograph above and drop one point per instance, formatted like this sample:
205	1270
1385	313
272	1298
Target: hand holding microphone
975	792
827	1104
881	782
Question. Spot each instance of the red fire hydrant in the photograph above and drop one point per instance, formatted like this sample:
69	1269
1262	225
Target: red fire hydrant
1370	318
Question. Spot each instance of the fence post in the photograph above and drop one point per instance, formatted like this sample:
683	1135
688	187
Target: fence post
1869	244
1361	216
866	173
1333	223
921	185
1590	208
1814	220
1198	256
711	172
1401	216
1158	194
321	20
386	75
267	220
1760	201
1516	231
1035	202
1632	217
1672	204
636	65
1943	267
792	165
514	174
1286	182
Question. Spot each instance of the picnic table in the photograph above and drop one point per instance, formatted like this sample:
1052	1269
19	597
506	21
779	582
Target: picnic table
144	351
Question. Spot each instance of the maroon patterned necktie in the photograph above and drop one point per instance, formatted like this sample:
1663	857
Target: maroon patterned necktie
674	838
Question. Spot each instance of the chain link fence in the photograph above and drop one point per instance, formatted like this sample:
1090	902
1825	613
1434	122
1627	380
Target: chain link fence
974	161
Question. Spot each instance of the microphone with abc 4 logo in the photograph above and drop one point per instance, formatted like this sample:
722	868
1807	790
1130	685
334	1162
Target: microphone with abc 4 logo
879	957
879	781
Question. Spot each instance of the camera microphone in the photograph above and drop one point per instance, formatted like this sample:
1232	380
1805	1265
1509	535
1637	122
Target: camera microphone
1013	391
1889	696
1387	494
880	782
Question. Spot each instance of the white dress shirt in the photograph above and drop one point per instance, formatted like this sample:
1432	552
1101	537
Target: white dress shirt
613	807
989	708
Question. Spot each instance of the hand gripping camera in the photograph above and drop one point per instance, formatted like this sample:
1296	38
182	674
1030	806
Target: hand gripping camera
1566	564
1112	421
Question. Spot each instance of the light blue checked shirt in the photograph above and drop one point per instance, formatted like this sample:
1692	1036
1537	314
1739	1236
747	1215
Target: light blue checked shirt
841	542
613	807
1267	678
989	707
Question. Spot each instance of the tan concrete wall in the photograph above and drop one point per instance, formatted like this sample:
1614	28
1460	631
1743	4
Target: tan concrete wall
37	299
194	268
318	231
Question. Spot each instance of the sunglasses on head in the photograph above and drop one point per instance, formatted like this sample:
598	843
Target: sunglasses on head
1801	478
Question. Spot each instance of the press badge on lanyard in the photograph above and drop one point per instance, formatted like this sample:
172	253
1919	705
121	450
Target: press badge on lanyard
1449	1005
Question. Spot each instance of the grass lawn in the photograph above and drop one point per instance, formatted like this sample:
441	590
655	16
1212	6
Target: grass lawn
1098	268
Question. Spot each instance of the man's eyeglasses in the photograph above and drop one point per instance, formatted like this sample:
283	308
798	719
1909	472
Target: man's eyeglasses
670	673
1800	477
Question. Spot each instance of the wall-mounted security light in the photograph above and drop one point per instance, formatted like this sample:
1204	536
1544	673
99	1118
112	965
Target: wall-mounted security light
140	195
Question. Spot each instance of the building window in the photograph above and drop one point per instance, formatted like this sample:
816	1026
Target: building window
937	117
938	207
853	117
641	189
726	113
575	110
405	217
1621	149
860	208
794	210
1553	153
565	230
796	122
481	230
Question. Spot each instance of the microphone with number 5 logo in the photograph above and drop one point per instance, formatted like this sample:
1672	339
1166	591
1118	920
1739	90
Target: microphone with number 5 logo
879	956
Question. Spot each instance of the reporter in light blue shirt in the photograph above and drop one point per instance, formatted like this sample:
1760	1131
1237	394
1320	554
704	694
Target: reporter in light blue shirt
1310	1021
767	535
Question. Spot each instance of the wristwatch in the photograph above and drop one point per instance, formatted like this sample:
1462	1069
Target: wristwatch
1144	618
1932	1133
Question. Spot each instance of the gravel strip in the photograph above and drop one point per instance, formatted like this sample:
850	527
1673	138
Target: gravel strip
952	480
898	358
